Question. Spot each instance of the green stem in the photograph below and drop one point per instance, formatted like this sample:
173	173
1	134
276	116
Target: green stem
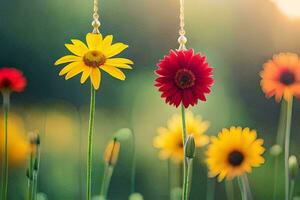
184	135
242	189
169	179
34	189
30	177
36	172
189	178
229	190
276	168
245	187
6	102
90	143
281	124
133	164
211	189
30	190
106	180
292	189
279	141
287	146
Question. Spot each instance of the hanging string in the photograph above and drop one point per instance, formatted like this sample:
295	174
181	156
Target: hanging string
96	23
182	39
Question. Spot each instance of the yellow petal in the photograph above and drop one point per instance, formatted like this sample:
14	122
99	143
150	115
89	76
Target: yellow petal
85	75
113	71
107	41
93	40
80	45
116	49
68	68
76	70
95	77
66	59
75	50
119	62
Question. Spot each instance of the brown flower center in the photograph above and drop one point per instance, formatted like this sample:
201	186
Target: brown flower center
180	144
287	78
235	158
94	58
6	83
185	78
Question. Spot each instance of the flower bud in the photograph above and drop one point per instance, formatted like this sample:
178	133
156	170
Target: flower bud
34	138
28	174
36	164
276	150
111	153
136	196
123	134
190	147
293	166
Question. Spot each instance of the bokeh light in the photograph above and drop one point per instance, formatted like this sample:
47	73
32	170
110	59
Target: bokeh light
289	7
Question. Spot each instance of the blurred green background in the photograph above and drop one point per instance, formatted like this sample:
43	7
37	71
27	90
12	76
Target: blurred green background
236	36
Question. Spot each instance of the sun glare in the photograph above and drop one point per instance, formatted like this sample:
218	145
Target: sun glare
290	8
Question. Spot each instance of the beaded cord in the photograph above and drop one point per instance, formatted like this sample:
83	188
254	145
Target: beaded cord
96	23
182	40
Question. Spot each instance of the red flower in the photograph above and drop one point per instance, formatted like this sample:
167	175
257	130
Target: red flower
184	78
12	80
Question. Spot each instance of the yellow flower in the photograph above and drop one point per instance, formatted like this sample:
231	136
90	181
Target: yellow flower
233	152
90	58
18	145
169	140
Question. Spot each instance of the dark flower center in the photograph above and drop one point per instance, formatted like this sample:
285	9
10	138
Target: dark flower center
185	78
180	144
235	158
287	78
6	83
94	58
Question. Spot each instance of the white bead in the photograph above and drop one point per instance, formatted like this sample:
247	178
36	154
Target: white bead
96	23
182	39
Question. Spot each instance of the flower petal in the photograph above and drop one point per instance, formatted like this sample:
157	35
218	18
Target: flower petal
85	75
115	49
75	49
93	40
80	44
76	70
119	62
68	68
95	77
66	59
107	42
113	71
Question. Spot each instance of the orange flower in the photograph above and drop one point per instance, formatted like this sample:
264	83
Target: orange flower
281	77
18	145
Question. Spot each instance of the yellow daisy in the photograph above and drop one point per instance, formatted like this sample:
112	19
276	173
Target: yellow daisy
89	59
169	139
233	152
